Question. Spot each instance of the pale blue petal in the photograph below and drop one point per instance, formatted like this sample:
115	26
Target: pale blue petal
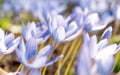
77	11
23	29
79	31
42	31
98	27
9	38
21	52
109	50
37	63
84	61
35	72
86	37
46	15
93	46
60	20
103	43
92	18
31	48
42	61
107	33
54	24
45	52
42	34
12	46
31	30
53	60
48	20
59	34
88	27
2	41
104	66
71	29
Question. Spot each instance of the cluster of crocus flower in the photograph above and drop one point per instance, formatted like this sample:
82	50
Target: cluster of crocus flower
97	58
94	58
27	50
64	29
107	9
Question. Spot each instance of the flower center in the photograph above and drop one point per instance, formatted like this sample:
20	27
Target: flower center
31	59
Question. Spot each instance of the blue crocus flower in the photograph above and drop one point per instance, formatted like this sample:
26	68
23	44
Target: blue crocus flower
28	56
60	29
8	43
39	32
99	55
90	22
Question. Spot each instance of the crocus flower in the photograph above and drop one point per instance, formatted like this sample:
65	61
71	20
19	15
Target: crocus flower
39	32
28	56
90	22
100	54
60	29
8	43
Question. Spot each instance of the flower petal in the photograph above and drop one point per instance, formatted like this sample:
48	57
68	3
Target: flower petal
20	52
84	61
42	61
35	72
23	29
93	46
9	38
98	27
45	52
92	18
53	60
109	50
2	41
104	66
71	29
107	33
59	34
37	63
103	43
54	24
31	48
73	36
12	46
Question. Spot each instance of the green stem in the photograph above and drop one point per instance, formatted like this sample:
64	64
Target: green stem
72	58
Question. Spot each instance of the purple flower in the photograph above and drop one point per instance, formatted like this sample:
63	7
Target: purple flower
60	29
90	22
39	32
28	56
8	43
99	55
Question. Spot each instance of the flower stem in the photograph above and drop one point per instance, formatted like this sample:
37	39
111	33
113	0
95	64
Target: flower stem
72	58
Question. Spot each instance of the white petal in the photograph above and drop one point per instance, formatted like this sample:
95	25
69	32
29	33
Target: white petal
71	29
109	50
93	46
92	18
35	72
59	34
107	33
12	46
104	66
